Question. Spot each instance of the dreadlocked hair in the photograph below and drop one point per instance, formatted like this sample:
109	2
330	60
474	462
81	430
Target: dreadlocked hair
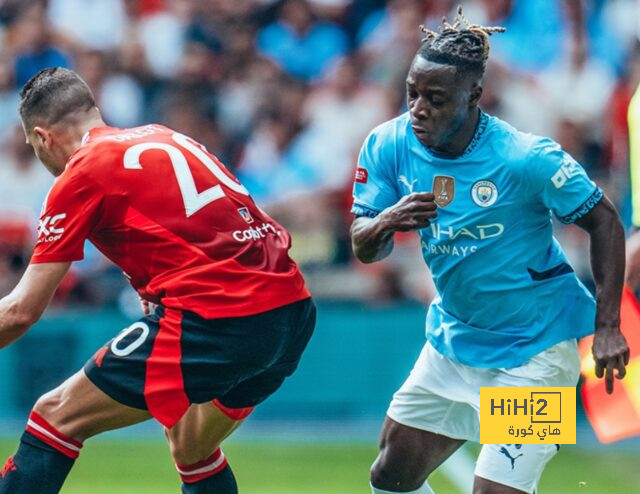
461	44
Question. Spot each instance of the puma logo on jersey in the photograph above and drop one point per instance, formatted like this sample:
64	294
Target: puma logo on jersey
404	181
49	228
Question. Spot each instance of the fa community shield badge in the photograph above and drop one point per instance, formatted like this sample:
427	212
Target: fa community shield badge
484	193
444	189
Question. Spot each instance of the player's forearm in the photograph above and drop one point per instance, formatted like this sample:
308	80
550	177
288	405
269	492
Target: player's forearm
607	263
371	239
14	320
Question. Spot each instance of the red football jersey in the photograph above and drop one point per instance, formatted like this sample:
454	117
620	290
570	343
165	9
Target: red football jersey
182	228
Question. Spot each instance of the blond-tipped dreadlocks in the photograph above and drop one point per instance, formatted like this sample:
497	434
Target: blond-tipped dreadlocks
462	44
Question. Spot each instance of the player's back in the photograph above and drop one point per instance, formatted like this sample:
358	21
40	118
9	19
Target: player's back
183	229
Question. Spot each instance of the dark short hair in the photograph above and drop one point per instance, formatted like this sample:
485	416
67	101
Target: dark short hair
461	44
53	95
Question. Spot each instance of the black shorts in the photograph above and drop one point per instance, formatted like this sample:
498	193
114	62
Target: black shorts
173	358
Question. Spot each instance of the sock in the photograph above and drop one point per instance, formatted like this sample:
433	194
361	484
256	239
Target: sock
425	489
210	476
42	462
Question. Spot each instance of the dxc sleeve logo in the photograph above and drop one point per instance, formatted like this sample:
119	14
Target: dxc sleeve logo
50	229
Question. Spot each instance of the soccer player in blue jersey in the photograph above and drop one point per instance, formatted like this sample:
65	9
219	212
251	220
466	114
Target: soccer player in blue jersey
509	307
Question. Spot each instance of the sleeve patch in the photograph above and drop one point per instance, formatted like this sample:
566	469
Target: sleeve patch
568	170
362	175
587	206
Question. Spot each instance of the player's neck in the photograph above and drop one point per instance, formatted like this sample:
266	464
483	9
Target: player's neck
76	134
461	139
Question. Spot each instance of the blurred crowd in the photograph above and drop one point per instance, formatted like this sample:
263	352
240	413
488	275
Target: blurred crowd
285	91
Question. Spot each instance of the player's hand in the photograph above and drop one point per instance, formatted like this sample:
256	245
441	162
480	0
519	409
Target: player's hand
610	352
632	273
412	212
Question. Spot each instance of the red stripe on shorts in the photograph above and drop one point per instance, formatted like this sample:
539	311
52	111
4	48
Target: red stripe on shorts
164	385
234	413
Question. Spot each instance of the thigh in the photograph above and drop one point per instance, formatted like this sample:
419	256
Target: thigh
199	433
423	451
435	398
516	466
78	409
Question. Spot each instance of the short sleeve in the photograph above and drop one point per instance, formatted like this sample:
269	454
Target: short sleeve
560	183
374	188
69	213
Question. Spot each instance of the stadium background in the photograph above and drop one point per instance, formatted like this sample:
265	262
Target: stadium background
284	92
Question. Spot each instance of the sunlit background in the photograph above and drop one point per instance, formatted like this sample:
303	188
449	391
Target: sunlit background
284	92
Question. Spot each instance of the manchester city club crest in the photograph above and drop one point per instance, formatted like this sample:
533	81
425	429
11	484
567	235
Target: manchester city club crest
484	193
444	190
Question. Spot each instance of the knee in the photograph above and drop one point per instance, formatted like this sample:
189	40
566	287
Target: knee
49	406
394	470
189	452
54	407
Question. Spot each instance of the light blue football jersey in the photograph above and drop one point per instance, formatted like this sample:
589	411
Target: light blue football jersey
505	289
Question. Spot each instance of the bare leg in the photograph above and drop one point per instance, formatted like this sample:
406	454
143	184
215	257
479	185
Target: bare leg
199	433
408	456
61	420
78	409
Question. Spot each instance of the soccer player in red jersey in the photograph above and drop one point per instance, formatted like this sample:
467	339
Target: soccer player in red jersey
233	314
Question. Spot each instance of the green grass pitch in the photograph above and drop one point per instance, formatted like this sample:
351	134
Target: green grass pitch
144	467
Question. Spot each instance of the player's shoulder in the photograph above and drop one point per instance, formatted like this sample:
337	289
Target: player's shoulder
513	146
391	132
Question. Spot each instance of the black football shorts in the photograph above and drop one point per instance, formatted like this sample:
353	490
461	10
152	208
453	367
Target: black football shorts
168	360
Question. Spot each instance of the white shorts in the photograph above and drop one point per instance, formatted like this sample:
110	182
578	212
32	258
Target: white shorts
443	396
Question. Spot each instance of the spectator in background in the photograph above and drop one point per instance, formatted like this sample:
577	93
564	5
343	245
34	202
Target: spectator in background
578	87
30	38
94	24
339	111
124	95
8	98
161	34
23	186
302	45
388	39
24	183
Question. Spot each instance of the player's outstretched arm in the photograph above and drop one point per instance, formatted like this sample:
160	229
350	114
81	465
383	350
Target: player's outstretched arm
25	304
610	350
372	238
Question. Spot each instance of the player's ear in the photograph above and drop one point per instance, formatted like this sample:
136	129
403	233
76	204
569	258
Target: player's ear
475	94
43	136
